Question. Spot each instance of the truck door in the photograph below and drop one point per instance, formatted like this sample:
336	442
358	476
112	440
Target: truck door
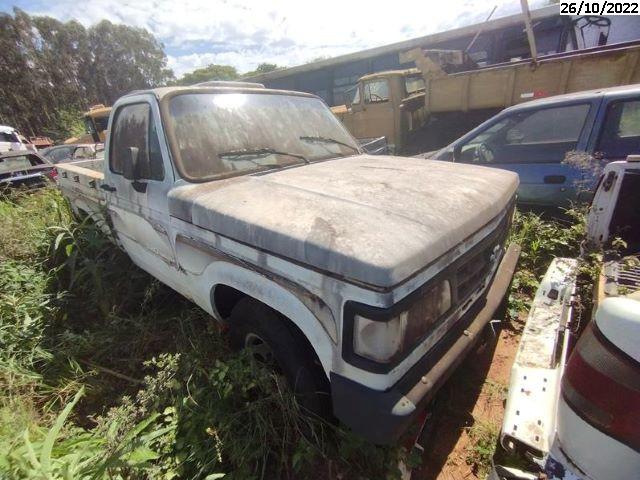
534	143
139	209
373	114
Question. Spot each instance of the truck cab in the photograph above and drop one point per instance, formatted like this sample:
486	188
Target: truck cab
385	104
95	121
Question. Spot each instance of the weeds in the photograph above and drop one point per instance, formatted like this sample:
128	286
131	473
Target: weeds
541	240
483	437
106	373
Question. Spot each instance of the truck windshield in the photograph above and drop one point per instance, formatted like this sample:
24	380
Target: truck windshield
216	135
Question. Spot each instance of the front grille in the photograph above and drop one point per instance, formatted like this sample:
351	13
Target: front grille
622	277
472	270
460	282
470	276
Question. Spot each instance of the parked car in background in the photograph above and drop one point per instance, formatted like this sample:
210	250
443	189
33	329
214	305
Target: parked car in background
533	140
573	408
260	207
11	140
24	168
72	153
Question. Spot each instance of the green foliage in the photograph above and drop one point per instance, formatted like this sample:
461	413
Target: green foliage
541	240
106	373
208	73
483	437
27	240
262	68
66	124
52	69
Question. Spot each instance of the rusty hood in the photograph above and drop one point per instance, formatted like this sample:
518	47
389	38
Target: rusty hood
372	219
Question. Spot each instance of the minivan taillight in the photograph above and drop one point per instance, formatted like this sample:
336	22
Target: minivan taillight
52	174
602	385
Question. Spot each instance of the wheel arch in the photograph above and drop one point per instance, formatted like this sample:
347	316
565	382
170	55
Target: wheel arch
232	282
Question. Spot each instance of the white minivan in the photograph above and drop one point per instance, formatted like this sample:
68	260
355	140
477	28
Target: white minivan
10	139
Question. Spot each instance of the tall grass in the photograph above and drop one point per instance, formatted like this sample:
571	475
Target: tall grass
541	238
106	373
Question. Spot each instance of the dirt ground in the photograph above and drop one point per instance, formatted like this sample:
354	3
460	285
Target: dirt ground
468	413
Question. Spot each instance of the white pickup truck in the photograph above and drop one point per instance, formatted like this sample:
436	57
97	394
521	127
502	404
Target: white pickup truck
573	408
365	279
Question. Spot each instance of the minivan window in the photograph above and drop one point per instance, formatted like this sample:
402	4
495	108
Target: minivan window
531	136
9	137
376	91
134	127
621	132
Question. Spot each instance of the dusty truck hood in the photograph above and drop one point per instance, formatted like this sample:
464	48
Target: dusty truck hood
373	219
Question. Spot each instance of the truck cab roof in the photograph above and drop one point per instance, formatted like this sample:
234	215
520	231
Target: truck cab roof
390	73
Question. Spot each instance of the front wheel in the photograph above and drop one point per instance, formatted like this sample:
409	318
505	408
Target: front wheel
277	343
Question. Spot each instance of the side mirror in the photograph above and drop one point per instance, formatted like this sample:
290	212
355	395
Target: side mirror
130	165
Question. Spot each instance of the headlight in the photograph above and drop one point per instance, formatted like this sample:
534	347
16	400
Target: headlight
385	339
376	340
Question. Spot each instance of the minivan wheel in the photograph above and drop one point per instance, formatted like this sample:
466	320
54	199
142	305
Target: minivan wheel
280	345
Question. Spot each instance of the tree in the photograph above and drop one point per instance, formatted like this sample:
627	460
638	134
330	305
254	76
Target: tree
51	69
125	58
208	73
262	68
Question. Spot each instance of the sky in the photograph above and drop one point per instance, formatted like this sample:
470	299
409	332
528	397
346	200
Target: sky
245	33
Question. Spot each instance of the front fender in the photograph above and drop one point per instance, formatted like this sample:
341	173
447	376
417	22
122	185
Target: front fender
276	296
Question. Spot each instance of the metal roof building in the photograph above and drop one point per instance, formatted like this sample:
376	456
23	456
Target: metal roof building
500	40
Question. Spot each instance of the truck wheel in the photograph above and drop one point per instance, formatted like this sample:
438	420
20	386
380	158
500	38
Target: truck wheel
280	345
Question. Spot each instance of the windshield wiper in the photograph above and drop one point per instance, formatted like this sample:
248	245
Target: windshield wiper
261	152
328	140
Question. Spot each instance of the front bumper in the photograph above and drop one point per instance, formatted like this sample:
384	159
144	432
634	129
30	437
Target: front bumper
557	466
382	416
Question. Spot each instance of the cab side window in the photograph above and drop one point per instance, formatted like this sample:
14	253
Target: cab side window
134	127
376	91
621	130
356	96
533	136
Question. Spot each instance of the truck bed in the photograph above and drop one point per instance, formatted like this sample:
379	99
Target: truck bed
80	183
506	84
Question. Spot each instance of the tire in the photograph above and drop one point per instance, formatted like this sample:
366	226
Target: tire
252	322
